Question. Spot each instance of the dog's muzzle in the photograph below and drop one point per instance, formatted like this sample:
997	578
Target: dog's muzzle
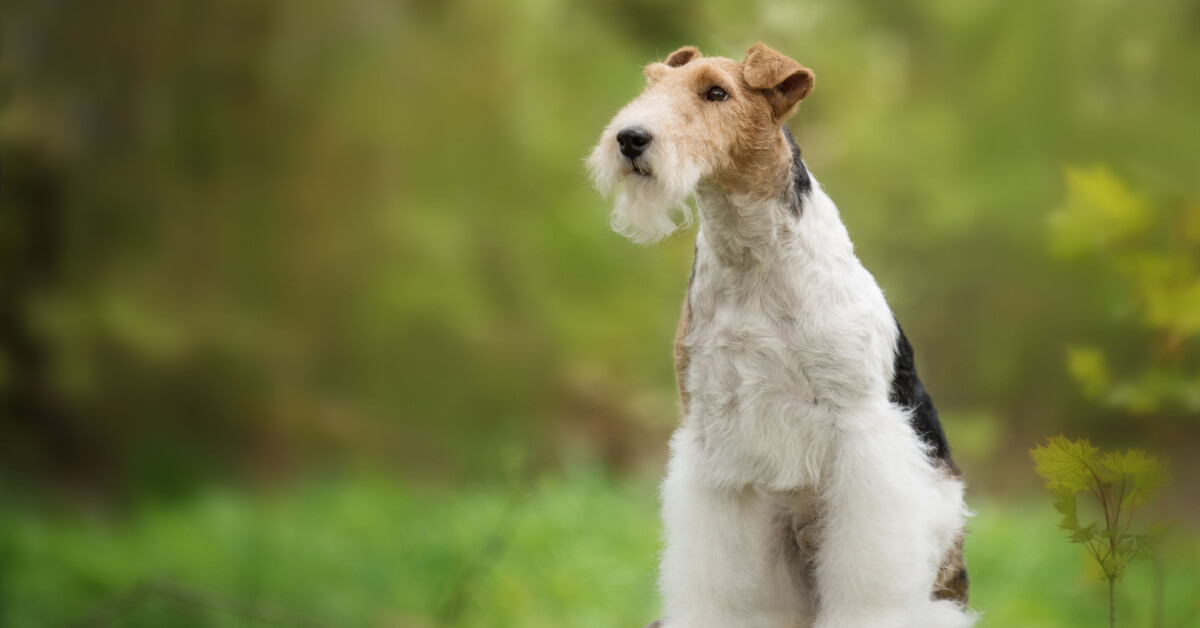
633	141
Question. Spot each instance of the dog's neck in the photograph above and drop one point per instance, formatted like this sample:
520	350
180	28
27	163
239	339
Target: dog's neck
747	232
742	231
744	216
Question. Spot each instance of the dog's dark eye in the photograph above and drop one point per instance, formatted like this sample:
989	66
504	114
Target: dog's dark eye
715	94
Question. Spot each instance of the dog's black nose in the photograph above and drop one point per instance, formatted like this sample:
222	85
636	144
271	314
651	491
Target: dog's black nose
633	141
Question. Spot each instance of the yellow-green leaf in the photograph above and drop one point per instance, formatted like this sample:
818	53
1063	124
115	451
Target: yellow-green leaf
1067	465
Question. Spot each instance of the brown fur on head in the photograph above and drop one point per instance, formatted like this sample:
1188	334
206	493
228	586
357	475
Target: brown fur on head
764	91
732	137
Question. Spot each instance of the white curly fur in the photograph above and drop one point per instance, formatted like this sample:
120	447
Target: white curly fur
646	208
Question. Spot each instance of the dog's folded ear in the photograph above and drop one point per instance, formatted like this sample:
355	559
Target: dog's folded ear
785	81
682	56
656	71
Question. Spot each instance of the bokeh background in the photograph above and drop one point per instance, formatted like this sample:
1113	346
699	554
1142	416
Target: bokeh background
309	316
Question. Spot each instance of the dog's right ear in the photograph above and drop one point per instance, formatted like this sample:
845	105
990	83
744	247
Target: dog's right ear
682	56
784	81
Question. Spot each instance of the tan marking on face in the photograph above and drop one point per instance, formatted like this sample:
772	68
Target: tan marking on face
739	139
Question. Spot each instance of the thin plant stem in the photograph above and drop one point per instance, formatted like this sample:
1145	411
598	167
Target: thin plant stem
1112	603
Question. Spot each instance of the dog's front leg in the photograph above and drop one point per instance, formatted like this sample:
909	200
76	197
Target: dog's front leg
879	552
724	565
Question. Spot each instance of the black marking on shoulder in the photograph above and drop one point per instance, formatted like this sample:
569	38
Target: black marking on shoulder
908	392
801	182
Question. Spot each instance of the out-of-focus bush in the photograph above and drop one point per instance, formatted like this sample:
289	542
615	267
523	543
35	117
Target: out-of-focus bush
1151	248
256	238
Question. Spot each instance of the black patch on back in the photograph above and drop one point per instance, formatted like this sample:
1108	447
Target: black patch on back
801	183
908	392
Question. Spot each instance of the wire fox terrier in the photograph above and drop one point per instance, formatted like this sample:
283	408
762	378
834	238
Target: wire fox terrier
810	483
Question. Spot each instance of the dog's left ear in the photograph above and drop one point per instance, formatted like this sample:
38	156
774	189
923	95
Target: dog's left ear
785	82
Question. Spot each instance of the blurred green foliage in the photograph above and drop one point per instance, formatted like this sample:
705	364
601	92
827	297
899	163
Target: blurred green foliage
257	238
1152	251
243	244
249	239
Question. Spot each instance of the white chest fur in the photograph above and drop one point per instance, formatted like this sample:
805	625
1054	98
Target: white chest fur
789	335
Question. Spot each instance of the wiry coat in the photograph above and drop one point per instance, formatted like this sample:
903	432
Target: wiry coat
809	483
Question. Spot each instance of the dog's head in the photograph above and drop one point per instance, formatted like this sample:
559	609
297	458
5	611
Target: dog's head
699	119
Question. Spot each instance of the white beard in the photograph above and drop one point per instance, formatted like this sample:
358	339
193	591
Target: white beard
647	208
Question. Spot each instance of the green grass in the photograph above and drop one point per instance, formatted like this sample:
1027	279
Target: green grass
575	550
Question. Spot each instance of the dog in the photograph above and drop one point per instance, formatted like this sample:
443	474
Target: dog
810	482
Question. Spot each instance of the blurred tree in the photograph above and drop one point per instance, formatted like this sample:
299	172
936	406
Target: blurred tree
263	238
126	130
